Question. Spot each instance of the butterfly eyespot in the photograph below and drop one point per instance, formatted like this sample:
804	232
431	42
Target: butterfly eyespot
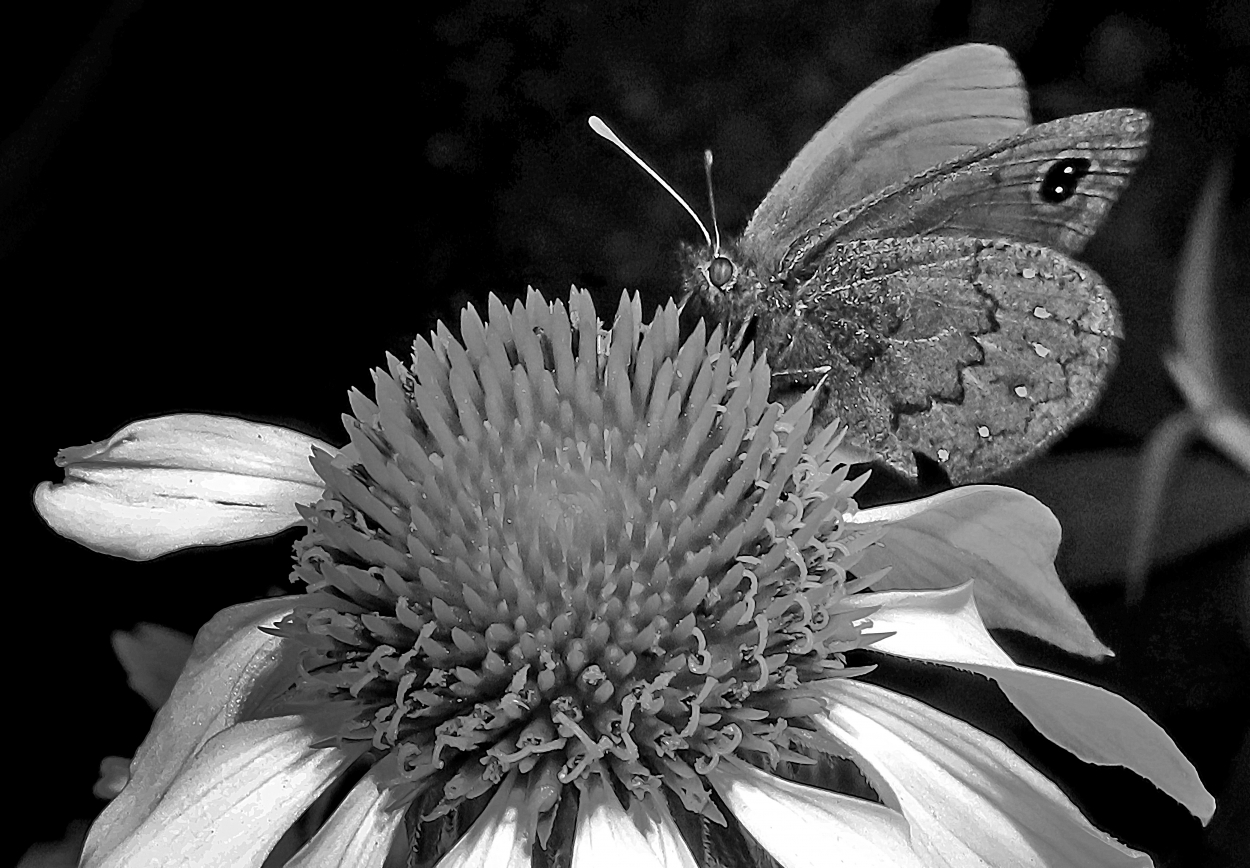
1062	178
720	271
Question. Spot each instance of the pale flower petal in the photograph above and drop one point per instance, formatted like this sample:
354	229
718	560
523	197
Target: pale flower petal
802	826
1003	539
233	665
233	800
652	818
357	835
606	836
163	484
502	836
1096	725
968	798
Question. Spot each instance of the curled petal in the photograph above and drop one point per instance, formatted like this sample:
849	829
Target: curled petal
114	775
233	800
1003	539
1094	724
804	826
968	799
232	666
357	835
162	484
605	833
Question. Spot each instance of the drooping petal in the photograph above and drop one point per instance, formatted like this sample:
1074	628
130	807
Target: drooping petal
232	666
652	818
968	799
605	833
233	800
153	657
162	484
502	836
803	826
1096	725
357	835
1001	538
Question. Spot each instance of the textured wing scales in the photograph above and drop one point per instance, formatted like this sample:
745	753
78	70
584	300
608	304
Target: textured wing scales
978	353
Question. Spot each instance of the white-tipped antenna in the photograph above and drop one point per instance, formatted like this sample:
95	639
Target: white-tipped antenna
711	198
602	129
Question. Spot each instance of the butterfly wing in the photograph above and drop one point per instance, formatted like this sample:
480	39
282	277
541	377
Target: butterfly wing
937	108
975	352
1016	189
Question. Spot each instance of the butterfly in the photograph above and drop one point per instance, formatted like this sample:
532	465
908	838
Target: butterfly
914	261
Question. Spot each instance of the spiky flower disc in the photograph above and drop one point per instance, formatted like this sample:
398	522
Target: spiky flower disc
557	552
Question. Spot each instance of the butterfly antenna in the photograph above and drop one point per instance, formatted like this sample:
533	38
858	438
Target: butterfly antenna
602	129
711	199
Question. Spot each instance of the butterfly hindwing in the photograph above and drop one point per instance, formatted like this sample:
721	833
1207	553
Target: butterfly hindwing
975	352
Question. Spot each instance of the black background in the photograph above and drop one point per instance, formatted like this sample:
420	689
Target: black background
238	208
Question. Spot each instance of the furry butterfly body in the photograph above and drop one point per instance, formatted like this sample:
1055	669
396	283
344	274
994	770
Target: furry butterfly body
916	260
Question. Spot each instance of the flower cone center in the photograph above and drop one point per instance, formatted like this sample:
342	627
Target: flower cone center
556	551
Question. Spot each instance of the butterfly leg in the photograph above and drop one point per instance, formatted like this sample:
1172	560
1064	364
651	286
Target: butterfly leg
842	396
799	377
789	385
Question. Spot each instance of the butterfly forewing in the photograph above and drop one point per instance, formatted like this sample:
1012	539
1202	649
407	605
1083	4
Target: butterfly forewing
931	111
1006	190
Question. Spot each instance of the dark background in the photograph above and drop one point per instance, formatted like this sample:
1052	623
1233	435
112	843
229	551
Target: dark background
238	208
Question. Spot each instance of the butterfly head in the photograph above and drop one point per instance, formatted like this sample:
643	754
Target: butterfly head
723	288
716	282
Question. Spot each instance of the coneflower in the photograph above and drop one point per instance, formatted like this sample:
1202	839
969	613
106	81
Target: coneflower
576	595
